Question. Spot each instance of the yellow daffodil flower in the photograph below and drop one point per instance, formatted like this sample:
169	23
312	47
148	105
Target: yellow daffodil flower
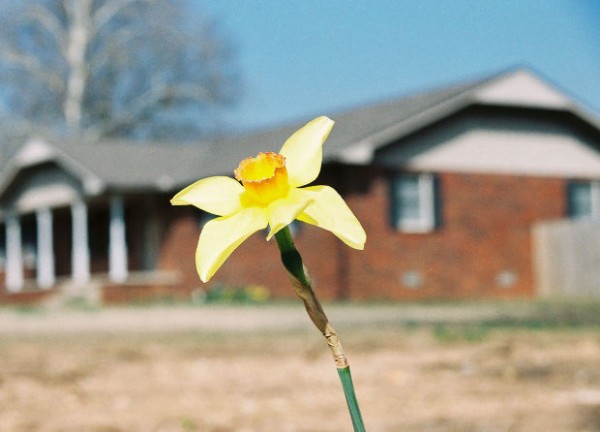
268	192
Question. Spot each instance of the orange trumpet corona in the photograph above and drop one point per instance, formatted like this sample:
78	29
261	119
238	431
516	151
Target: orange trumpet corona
264	177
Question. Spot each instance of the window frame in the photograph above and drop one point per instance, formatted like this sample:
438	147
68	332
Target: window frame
594	197
427	220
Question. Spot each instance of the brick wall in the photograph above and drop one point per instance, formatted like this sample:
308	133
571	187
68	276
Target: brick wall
28	296
256	262
178	244
482	247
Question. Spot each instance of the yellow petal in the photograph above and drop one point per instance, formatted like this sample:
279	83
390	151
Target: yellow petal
221	236
303	151
284	210
329	211
217	195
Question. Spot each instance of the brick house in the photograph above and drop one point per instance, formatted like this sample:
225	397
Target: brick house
448	185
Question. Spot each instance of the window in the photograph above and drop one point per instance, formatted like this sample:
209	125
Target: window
584	200
413	203
204	218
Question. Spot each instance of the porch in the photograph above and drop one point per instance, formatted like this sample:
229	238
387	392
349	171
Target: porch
89	249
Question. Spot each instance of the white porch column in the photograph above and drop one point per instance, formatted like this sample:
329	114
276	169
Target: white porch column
80	255
45	249
117	244
14	254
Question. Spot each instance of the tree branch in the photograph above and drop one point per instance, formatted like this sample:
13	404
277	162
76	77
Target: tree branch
107	12
33	66
118	67
154	98
49	22
107	51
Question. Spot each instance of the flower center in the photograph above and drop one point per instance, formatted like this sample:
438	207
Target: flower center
264	177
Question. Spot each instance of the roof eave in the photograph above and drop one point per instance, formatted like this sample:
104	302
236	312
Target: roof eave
37	152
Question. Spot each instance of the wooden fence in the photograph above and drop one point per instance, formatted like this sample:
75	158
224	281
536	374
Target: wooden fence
566	258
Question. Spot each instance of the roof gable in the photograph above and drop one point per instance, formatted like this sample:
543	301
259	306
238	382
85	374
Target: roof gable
33	152
502	142
40	185
519	89
522	88
114	165
38	153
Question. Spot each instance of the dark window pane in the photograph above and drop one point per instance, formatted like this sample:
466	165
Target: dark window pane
408	199
580	200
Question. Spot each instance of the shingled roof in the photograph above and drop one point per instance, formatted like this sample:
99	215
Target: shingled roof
356	135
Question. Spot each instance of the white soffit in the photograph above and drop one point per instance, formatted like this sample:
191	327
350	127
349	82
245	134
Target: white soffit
359	153
521	88
45	196
502	152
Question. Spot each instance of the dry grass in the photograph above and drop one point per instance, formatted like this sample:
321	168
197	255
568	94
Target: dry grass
408	378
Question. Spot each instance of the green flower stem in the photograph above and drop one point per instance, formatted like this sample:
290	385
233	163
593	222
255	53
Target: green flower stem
302	284
346	378
290	256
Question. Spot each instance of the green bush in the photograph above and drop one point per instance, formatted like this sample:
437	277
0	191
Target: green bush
237	294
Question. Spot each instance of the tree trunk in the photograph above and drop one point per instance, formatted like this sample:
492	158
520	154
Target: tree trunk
79	27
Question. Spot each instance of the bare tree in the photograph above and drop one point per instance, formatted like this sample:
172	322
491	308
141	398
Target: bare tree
106	68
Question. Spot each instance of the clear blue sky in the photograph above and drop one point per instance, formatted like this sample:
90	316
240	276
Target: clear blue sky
300	58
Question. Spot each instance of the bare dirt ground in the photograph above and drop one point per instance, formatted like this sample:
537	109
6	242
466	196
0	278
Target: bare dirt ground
232	369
